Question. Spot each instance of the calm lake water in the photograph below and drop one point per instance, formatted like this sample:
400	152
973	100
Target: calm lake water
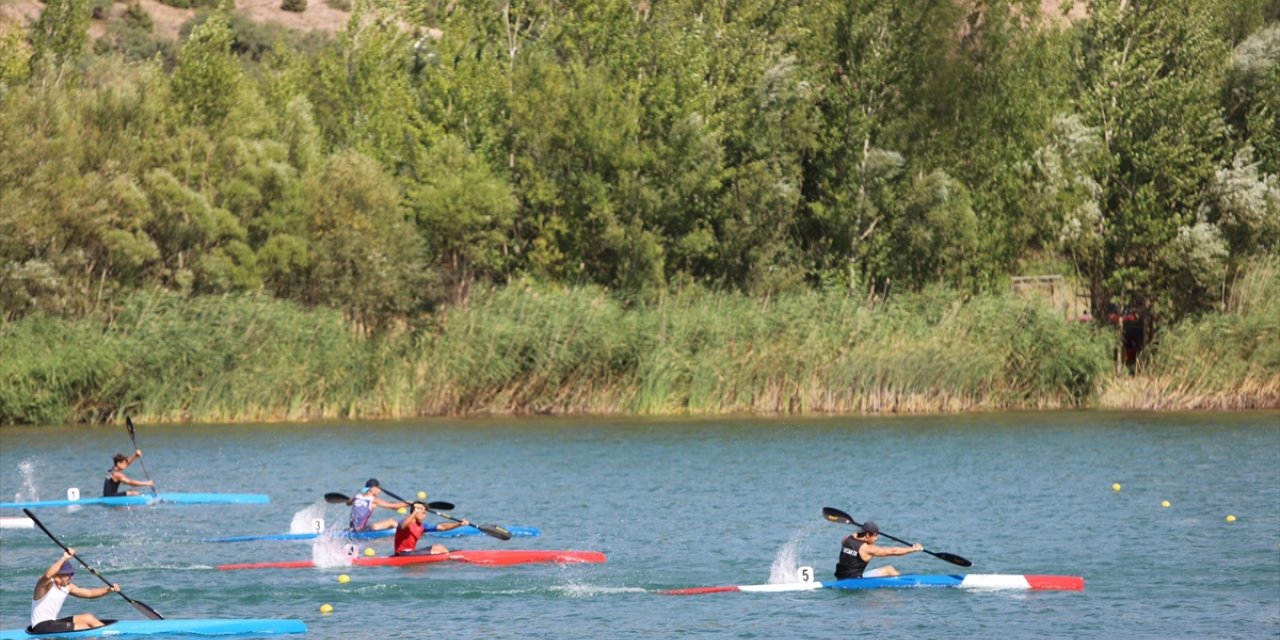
681	503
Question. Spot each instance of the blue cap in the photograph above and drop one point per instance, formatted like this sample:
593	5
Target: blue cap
870	527
67	569
373	482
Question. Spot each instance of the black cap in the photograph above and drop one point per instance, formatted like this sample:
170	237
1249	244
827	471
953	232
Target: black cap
373	482
870	527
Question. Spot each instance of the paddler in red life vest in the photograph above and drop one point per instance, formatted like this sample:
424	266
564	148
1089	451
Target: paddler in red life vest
858	549
52	590
363	504
116	477
412	528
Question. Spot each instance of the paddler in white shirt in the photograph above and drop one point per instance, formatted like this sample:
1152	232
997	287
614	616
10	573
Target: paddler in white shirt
52	590
363	504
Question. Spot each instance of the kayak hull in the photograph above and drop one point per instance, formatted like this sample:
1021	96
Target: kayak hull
971	581
515	531
170	628
130	501
493	557
19	522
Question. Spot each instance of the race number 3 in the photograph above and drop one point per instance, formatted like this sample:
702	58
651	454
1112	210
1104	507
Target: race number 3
317	525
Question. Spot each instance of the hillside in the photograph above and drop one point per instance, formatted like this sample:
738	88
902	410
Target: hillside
318	16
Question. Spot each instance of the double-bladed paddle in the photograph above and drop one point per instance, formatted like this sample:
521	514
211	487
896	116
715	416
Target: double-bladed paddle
493	530
128	423
836	515
342	498
145	609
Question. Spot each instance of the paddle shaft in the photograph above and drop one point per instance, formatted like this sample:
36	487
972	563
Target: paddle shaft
128	422
340	498
836	515
145	609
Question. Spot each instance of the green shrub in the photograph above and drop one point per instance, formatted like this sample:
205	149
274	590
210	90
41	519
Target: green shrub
296	6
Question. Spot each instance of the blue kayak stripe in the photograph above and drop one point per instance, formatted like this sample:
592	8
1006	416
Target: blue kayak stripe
897	582
516	531
143	628
127	501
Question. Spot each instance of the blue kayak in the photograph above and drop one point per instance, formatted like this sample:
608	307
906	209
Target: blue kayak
169	628
145	499
515	531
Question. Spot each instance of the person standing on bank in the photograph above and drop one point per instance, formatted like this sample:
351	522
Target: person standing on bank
363	504
858	549
116	477
52	590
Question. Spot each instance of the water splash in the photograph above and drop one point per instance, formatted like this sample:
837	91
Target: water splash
332	551
786	563
27	491
304	520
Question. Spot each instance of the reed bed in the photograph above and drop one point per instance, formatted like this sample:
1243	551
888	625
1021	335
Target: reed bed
527	349
1228	360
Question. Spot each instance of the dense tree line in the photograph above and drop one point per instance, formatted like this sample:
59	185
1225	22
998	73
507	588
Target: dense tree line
763	146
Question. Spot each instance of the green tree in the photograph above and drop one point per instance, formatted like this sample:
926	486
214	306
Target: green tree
208	75
59	36
365	257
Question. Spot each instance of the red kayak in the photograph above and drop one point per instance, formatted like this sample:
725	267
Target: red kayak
487	556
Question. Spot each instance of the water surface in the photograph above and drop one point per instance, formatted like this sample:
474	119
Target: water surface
678	503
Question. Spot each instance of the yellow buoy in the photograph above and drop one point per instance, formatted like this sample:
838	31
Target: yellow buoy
1115	487
402	511
1231	518
422	495
1164	503
326	608
368	551
344	578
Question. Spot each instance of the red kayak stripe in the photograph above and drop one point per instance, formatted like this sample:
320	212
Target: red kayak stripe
1056	583
694	591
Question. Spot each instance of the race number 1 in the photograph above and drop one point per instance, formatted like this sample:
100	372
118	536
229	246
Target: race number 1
73	494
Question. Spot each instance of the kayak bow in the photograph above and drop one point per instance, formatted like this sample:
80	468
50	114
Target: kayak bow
495	557
169	628
971	581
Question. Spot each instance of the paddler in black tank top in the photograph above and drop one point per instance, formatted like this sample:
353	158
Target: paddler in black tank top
116	477
857	550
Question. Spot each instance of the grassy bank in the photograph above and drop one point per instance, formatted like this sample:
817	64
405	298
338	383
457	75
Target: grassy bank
526	349
1227	360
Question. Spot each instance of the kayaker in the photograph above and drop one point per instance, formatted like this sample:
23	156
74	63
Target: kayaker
859	548
363	504
116	477
51	591
410	530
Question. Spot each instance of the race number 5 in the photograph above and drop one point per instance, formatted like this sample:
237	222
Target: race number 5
805	574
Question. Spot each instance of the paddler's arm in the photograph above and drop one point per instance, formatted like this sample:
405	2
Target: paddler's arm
46	581
91	594
449	526
884	552
389	505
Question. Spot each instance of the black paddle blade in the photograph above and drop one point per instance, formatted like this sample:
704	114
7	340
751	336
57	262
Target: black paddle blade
128	423
144	608
335	498
448	506
952	558
494	530
835	515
